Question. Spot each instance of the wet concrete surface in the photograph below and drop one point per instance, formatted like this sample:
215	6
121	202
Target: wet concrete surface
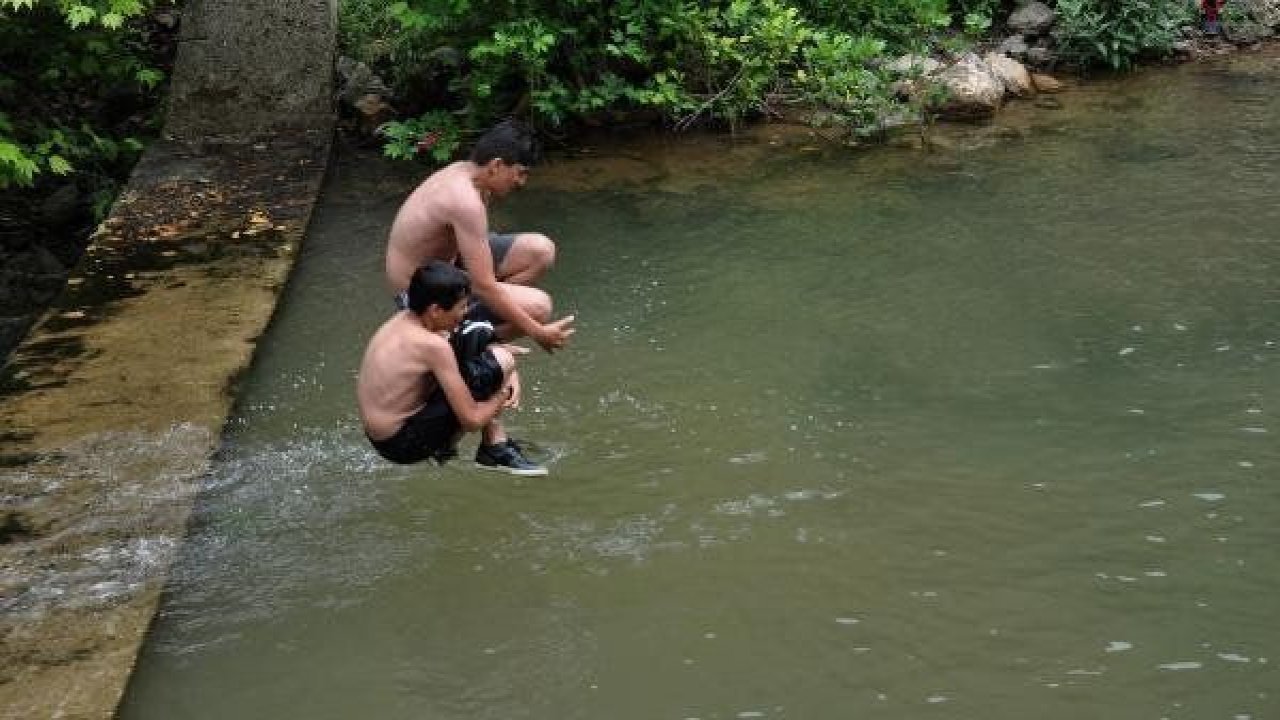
111	408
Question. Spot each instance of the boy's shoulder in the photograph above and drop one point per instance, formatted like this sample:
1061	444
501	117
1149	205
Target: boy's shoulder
436	347
406	332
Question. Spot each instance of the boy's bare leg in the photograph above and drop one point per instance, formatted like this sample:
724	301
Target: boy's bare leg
529	258
494	433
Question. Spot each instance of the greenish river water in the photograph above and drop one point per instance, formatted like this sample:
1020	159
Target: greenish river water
982	433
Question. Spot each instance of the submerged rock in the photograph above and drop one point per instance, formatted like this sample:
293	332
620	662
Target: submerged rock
1046	83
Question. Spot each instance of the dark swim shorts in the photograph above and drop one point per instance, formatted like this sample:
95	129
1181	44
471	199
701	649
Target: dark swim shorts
428	433
432	432
499	245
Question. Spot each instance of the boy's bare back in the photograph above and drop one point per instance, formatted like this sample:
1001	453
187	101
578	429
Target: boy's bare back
427	225
399	370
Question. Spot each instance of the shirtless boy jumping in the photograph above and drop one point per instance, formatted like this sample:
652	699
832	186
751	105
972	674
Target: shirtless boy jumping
414	400
446	219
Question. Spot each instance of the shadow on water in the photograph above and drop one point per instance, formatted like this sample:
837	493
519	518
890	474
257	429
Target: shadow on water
983	433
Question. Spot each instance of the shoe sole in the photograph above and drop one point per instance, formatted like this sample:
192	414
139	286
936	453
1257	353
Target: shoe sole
540	472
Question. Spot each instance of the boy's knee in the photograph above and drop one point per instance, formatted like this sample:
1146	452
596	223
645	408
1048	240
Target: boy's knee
540	305
506	360
542	250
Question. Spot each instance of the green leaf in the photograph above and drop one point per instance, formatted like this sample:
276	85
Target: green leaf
58	165
127	8
112	21
78	15
15	166
148	77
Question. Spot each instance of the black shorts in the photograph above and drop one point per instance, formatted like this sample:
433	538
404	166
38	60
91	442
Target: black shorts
432	432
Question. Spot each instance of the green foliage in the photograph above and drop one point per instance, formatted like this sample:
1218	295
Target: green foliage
903	24
61	57
977	22
1117	33
1236	15
457	65
566	62
745	48
436	133
837	75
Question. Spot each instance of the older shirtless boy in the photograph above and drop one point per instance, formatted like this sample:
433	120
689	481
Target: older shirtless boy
414	400
446	218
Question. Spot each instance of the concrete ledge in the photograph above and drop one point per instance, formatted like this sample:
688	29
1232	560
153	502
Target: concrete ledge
114	405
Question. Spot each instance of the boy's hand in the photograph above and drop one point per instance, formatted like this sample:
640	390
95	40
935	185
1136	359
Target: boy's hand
513	392
555	335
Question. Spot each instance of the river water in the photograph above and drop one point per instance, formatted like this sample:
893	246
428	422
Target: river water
987	432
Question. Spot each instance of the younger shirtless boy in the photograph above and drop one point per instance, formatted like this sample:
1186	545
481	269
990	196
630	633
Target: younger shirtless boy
415	403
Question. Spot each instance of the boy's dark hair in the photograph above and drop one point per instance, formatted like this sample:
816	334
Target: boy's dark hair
510	141
437	283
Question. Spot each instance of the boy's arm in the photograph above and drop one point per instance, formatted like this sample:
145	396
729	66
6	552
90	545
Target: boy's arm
471	230
472	415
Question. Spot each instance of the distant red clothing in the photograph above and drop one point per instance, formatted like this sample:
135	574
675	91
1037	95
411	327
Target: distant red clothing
1211	8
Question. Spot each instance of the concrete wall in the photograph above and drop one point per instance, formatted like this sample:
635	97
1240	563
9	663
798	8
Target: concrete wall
250	67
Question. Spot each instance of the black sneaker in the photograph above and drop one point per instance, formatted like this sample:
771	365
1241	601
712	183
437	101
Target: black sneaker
507	457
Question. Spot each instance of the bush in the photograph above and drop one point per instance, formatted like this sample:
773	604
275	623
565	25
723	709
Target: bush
903	24
1117	33
457	65
75	92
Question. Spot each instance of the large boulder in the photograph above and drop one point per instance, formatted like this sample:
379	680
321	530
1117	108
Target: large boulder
1015	46
973	90
1246	32
372	111
1040	56
356	80
1033	18
1016	79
